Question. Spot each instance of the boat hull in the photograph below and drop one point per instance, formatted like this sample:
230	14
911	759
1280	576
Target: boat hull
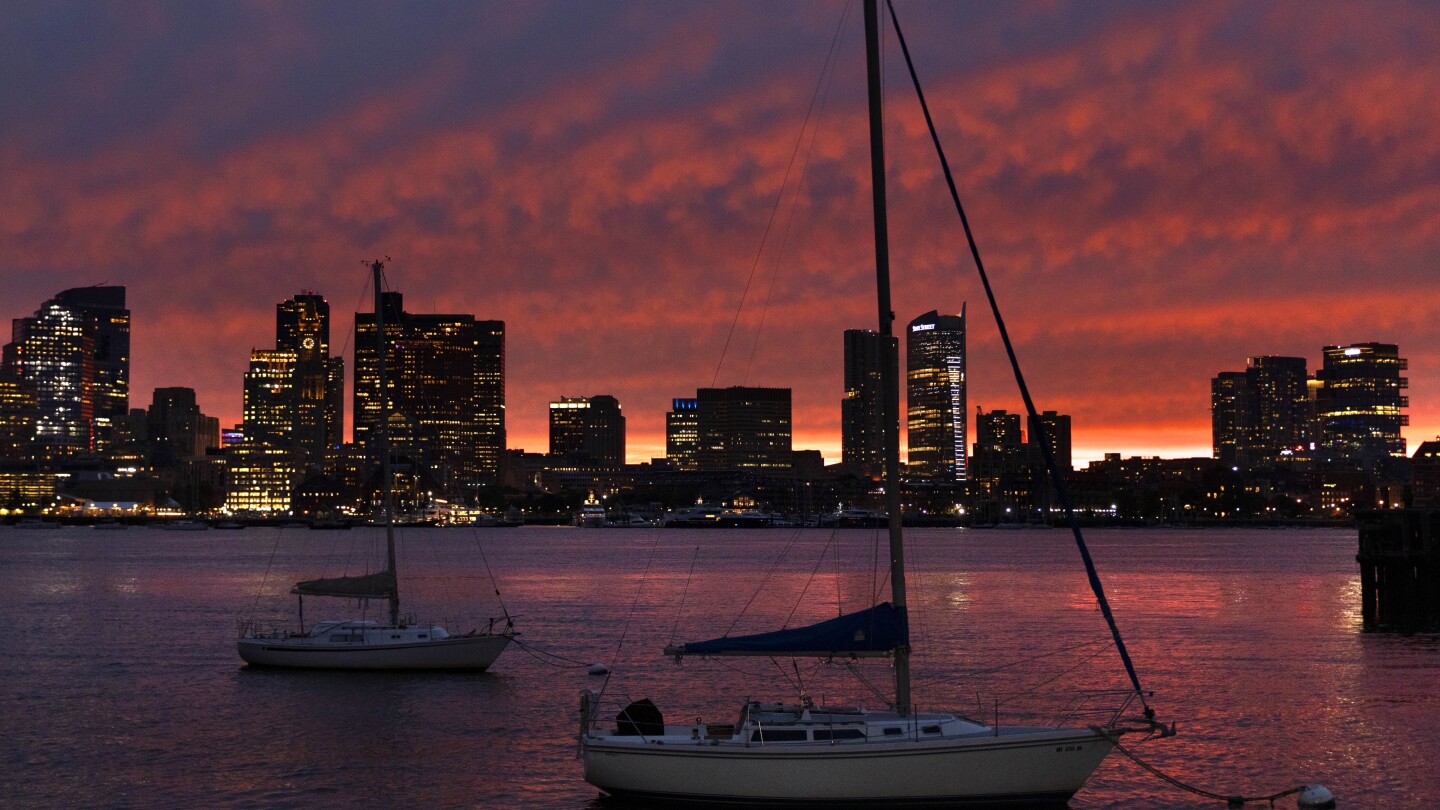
473	653
1032	767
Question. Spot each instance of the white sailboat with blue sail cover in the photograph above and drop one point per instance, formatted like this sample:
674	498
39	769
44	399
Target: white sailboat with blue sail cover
804	754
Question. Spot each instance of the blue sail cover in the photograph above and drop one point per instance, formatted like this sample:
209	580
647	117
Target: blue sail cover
868	633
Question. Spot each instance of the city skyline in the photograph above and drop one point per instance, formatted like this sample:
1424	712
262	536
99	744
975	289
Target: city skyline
1160	191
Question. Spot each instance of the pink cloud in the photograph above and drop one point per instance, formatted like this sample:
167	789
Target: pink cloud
1154	203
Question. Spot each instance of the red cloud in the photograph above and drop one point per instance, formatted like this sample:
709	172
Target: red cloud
1157	200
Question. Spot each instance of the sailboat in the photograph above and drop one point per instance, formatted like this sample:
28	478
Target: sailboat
398	644
811	755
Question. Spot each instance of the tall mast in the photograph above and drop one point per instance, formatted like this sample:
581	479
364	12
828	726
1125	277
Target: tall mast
890	369
377	267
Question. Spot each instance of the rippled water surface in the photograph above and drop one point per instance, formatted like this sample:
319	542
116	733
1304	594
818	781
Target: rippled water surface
120	687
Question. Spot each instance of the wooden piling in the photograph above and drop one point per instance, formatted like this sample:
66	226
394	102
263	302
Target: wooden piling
1399	557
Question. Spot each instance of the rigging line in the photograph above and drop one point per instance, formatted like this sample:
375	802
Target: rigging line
475	534
874	566
794	683
734	668
970	673
819	561
884	698
1062	673
754	266
723	663
680	613
766	579
443	571
839	601
796	197
537	652
625	631
266	578
359	301
330	556
1036	425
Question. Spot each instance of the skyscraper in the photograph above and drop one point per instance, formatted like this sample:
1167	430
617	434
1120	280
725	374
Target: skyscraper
588	428
862	412
75	354
999	474
19	410
1282	403
490	398
1057	430
1259	414
935	385
271	402
446	380
294	393
1231	417
744	428
682	433
317	410
1358	405
999	444
176	429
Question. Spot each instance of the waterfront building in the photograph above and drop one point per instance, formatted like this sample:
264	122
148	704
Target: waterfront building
489	414
999	444
1057	430
176	430
74	352
446	392
1359	405
935	389
1282	402
19	411
261	478
682	433
25	487
1262	415
1232	419
1425	469
269	404
999	474
744	428
294	393
588	428
862	412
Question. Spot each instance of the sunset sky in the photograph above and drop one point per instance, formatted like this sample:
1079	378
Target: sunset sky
1159	189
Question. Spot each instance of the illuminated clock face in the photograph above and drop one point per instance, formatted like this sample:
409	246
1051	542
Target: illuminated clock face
308	343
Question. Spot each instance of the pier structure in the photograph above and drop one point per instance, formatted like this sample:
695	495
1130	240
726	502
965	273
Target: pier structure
1399	558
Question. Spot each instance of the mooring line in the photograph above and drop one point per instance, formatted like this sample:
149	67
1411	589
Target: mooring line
1233	801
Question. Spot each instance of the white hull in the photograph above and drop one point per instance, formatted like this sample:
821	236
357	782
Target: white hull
1019	766
808	755
469	652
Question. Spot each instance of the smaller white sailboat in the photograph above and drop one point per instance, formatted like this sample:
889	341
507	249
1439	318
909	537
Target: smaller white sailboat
398	644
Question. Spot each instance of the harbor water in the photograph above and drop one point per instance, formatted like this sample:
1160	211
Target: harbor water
120	686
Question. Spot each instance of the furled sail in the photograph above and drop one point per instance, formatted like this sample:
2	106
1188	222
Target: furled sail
379	585
874	632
